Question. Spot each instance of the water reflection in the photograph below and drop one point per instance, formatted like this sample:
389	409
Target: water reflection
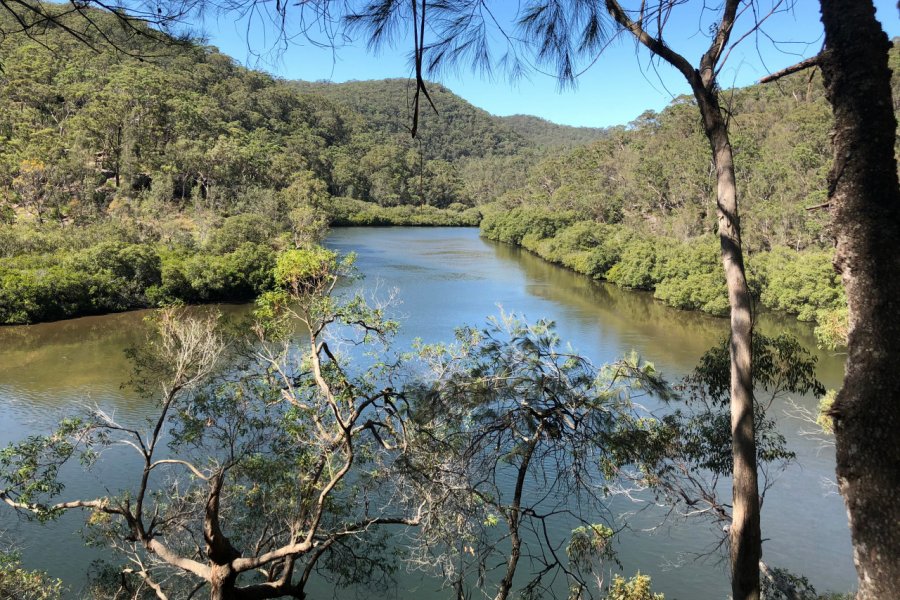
445	278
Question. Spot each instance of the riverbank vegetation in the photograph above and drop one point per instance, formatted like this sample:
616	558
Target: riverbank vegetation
682	273
143	162
636	208
174	174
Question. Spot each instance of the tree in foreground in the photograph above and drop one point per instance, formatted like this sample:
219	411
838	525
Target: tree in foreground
563	32
17	583
684	454
242	484
865	199
277	459
512	429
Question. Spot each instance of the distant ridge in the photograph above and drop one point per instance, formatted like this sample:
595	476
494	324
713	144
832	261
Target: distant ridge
552	136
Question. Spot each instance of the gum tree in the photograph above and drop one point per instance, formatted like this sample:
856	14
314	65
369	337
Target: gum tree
865	199
263	463
564	32
511	430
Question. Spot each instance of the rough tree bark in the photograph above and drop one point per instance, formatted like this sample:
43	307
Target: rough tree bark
864	195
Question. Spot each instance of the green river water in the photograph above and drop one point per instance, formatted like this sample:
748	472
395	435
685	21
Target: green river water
446	277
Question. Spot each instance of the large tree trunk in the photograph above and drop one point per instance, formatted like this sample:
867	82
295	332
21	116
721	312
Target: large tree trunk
864	194
745	537
221	583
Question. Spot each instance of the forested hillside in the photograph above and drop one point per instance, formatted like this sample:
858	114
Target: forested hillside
638	207
549	135
456	130
160	172
165	172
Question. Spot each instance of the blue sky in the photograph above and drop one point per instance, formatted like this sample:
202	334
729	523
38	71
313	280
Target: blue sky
618	87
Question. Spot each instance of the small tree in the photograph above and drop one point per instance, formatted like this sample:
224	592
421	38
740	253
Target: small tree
510	430
276	467
21	584
683	455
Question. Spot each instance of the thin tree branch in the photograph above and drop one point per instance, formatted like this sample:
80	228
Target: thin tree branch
810	62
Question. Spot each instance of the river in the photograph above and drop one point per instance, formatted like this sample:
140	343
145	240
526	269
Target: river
446	277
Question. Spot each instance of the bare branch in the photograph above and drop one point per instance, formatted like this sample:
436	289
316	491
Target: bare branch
810	62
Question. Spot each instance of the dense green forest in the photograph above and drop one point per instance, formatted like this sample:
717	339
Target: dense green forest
168	173
549	135
161	173
637	207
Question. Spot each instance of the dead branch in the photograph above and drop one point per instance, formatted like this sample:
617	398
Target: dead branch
810	62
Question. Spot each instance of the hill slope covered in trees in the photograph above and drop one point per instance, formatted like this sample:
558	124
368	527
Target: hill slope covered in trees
549	135
638	207
169	172
166	172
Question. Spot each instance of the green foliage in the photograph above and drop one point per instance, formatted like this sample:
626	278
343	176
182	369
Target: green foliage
307	269
346	211
17	583
800	282
683	274
654	175
653	178
29	468
457	130
210	168
238	230
832	327
548	135
781	584
636	588
823	419
511	402
190	152
589	549
781	366
115	276
523	225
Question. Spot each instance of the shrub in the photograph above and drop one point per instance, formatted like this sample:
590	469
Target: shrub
636	588
240	229
305	269
800	282
635	268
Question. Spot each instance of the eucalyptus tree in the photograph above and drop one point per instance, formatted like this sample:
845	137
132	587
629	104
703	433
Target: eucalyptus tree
518	438
865	199
563	33
685	453
251	475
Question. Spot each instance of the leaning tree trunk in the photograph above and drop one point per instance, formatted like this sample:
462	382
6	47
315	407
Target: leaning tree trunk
864	195
745	537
